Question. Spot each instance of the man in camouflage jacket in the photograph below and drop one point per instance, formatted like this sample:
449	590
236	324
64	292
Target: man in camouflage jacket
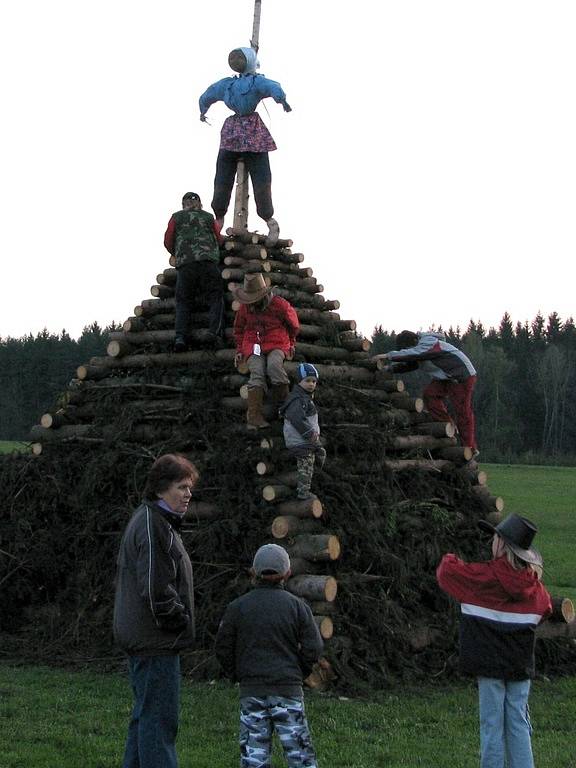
192	239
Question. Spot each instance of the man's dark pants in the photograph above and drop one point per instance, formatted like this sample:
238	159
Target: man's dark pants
199	281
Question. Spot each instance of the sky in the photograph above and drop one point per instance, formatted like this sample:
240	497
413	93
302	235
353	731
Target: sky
427	170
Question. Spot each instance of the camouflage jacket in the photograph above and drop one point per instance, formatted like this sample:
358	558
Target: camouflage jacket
190	236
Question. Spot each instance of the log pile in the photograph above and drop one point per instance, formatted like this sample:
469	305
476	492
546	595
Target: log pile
396	492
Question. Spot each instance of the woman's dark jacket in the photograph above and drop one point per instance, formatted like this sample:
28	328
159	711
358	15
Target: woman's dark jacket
154	603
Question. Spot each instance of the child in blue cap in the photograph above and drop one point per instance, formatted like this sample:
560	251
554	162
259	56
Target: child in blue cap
301	428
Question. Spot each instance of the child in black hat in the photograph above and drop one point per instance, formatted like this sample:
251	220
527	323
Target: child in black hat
268	642
301	428
502	603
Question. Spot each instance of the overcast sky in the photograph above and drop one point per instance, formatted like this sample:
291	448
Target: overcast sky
427	171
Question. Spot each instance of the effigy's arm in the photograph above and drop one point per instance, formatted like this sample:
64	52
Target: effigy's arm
211	95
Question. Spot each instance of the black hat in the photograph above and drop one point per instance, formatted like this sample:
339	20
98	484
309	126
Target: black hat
518	533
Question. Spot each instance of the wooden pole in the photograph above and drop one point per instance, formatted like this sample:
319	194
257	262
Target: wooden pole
242	196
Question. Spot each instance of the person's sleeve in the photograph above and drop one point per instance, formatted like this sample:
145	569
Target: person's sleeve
291	321
311	643
211	95
426	349
239	326
459	579
225	645
156	570
169	236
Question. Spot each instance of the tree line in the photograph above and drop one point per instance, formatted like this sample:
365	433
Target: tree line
525	397
34	370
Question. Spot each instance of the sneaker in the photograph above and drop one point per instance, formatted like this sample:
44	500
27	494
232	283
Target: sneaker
273	233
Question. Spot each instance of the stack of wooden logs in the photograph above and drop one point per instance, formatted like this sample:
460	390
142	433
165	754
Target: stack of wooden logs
151	385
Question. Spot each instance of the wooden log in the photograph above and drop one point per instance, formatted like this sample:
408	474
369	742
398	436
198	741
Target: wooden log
253	251
356	344
242	235
334	372
281	266
43	435
277	492
388	385
306	299
247	265
289	525
101	366
430	465
315	547
286	255
472	474
319	316
406	403
459	454
314	588
419	442
92	372
301	508
162	291
562	610
283	242
493	503
307	284
436	429
325	626
121	347
317	352
168	277
151	307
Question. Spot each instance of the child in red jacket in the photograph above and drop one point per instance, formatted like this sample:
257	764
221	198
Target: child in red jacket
502	602
265	329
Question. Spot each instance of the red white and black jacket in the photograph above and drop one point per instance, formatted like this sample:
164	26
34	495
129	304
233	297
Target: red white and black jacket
501	607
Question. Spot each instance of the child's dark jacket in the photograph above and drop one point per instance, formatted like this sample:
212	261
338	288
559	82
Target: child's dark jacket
300	421
268	642
501	607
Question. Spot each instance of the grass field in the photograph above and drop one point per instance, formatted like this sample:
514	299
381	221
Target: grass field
546	495
51	718
55	719
8	446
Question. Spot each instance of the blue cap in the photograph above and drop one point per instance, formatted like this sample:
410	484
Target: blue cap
305	370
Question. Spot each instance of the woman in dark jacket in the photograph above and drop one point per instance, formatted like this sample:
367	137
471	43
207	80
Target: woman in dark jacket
154	611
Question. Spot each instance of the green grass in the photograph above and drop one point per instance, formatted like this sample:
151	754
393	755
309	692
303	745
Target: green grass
55	719
546	495
9	446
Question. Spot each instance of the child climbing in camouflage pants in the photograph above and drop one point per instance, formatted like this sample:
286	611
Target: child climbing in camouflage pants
301	429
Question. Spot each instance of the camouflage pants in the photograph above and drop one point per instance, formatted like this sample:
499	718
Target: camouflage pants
259	717
305	469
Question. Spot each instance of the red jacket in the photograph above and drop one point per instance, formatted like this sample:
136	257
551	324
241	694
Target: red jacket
274	328
501	607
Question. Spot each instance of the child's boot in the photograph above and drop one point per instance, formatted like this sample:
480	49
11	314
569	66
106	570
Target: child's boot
254	417
279	393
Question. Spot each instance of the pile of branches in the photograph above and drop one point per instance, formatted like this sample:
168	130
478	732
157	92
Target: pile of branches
65	510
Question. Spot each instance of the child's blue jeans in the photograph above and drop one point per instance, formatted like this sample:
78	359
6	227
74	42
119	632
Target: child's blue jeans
505	728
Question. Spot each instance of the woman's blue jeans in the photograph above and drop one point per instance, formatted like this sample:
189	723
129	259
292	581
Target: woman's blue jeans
505	728
153	726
